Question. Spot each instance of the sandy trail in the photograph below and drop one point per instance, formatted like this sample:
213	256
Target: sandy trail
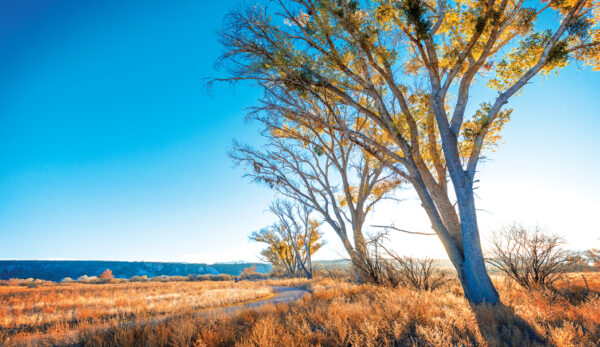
283	295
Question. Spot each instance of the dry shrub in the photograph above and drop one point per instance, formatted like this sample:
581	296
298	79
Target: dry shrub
29	282
106	275
250	273
199	277
338	272
532	258
385	267
224	277
418	273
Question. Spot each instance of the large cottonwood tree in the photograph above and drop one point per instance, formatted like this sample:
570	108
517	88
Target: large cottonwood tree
407	68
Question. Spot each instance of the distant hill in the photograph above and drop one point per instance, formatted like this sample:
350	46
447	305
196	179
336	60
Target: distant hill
332	263
442	263
56	270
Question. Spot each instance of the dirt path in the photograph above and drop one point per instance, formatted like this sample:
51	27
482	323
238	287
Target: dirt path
283	295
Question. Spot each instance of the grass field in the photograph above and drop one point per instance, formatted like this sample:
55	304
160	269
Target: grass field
336	313
56	309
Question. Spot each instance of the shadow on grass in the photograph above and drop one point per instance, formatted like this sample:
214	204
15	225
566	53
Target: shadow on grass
501	326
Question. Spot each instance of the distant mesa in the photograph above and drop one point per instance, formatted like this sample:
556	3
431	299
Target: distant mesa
56	270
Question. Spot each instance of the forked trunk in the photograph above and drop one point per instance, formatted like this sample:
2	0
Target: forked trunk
475	280
465	253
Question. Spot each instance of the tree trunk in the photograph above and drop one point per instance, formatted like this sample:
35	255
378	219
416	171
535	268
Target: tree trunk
470	263
309	274
481	288
300	264
354	257
464	253
360	245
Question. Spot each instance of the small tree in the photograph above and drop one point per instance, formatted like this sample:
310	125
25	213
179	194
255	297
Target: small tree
278	252
106	275
250	273
292	240
250	270
533	258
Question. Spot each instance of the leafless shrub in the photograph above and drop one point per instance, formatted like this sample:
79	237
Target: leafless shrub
419	273
532	258
224	277
370	266
28	282
250	273
200	277
383	266
339	272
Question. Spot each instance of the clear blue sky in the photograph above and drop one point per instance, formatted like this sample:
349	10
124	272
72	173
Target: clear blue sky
110	148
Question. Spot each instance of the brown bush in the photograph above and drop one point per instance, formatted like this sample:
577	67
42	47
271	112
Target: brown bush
223	277
532	258
106	275
339	272
418	273
250	273
385	267
202	278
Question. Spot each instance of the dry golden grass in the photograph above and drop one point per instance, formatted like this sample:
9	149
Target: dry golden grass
59	308
339	313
